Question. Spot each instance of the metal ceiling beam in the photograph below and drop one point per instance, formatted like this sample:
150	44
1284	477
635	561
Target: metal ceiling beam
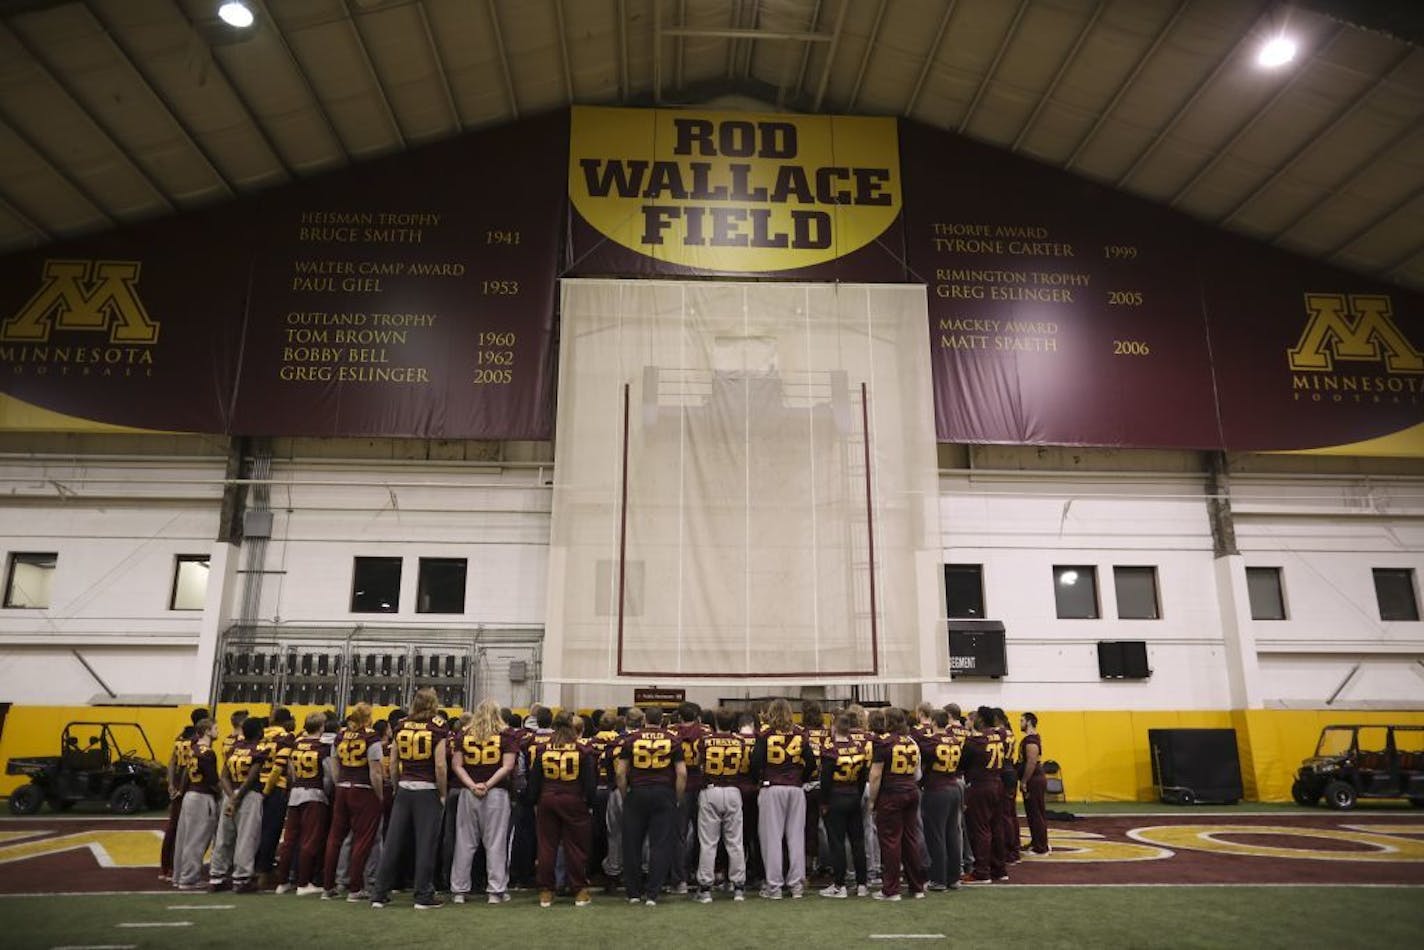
1162	33
746	33
503	59
1063	68
993	66
305	80
749	44
657	52
1221	151
9	207
931	55
865	57
375	76
622	51
126	54
94	122
563	51
53	164
1316	138
1390	210
679	48
1343	188
434	47
732	33
1191	100
805	54
246	106
831	56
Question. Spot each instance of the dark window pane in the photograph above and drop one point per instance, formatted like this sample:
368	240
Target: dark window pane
1136	593
1394	589
964	590
28	581
442	586
1075	589
375	585
1263	585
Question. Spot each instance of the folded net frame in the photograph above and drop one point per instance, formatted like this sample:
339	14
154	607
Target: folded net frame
745	486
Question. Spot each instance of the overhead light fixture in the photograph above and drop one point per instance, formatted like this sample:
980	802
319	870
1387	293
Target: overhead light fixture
235	13
1277	51
1068	578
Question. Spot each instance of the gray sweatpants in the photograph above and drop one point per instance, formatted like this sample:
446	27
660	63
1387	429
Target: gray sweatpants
613	861
482	821
781	816
196	823
719	816
235	847
872	837
373	861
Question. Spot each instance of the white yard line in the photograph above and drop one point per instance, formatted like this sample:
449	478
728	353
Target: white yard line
158	923
97	946
907	936
201	906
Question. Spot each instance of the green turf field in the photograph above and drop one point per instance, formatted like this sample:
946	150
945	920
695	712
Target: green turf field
1228	916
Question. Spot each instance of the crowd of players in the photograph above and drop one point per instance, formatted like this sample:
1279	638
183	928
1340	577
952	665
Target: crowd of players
715	800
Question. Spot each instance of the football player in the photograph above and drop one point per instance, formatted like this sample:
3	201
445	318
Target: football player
983	763
895	800
200	809
652	777
689	729
419	773
813	724
1008	828
360	786
782	762
1034	783
723	754
308	808
563	779
177	777
484	767
277	742
942	801
844	761
611	740
239	827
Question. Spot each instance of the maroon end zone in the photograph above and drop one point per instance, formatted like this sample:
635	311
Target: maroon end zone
52	854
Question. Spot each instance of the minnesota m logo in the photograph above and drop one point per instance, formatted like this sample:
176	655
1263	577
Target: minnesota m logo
1363	331
84	295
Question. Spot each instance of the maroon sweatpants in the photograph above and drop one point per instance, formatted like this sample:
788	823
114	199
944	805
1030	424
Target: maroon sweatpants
358	811
1009	820
982	809
305	834
170	837
1036	810
897	826
562	819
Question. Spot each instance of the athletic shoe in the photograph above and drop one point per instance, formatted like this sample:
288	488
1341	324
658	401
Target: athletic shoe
882	896
379	905
245	887
796	893
500	898
650	903
286	888
217	887
166	878
307	889
862	891
936	886
680	888
704	895
918	895
833	891
1001	879
192	887
431	904
330	895
771	895
458	898
971	879
952	886
546	898
738	894
583	898
635	900
358	897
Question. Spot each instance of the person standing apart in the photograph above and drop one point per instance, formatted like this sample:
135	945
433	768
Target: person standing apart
418	769
1035	784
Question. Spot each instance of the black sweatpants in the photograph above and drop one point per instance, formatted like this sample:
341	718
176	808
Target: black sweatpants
842	821
415	827
649	811
274	817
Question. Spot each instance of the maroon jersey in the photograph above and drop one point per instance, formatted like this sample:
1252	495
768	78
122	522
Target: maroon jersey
275	747
1024	743
483	757
415	743
563	768
203	771
652	756
1006	735
182	758
901	757
845	760
353	756
688	733
725	758
941	754
784	758
602	745
242	758
983	756
818	735
309	762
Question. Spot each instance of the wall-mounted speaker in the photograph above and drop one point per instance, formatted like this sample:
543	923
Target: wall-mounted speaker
1123	660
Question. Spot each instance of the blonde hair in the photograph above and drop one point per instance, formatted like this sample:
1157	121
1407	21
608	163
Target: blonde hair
858	711
486	721
360	716
778	716
425	704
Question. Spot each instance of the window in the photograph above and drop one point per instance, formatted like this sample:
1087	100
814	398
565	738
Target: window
1263	586
1394	589
1075	588
605	589
28	580
442	586
190	582
964	590
375	585
1136	593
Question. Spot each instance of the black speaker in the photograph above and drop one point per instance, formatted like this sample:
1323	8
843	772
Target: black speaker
1196	765
1123	659
976	648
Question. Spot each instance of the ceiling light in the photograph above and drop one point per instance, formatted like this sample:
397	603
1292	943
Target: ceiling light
1277	51
1068	578
235	13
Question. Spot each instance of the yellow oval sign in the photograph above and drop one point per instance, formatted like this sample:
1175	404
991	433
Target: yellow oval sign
734	192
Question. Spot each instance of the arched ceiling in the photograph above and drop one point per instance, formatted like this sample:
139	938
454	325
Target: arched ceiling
116	111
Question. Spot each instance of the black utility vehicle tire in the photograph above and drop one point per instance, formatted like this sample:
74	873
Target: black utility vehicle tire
1302	796
127	800
26	800
1340	795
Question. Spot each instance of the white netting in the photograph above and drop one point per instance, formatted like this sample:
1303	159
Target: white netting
746	548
